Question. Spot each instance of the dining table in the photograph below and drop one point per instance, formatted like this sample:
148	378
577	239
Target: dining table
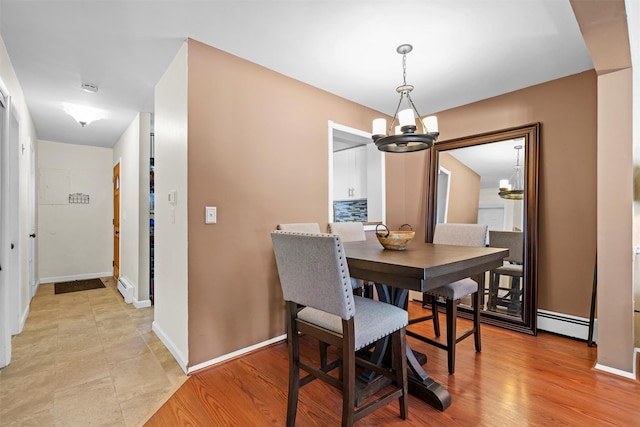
419	267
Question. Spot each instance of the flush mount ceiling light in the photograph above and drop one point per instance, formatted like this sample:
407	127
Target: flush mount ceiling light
83	114
405	138
513	188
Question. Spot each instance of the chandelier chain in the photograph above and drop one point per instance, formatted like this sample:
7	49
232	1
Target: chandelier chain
404	69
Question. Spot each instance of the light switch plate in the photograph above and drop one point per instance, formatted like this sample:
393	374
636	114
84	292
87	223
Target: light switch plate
172	197
210	215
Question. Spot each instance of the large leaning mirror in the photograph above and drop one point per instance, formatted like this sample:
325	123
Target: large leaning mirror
492	179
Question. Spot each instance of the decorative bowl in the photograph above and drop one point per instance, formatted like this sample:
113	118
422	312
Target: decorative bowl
394	240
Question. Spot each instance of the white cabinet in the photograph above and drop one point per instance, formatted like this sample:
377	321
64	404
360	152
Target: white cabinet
350	174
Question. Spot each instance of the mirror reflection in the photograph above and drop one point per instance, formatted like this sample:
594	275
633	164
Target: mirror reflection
492	179
473	187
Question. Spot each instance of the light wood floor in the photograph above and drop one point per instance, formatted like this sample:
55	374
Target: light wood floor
86	359
517	380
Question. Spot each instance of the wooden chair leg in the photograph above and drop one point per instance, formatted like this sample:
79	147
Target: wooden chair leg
323	346
348	368
434	313
399	363
452	314
476	320
494	281
294	368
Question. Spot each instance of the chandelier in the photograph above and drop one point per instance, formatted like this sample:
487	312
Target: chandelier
513	188
405	138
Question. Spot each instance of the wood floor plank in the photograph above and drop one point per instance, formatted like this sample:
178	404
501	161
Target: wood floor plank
517	380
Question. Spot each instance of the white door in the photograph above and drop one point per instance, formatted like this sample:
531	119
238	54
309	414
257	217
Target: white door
12	208
493	216
442	204
32	220
5	333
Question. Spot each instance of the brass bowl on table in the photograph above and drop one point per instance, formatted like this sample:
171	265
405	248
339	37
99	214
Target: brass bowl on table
394	240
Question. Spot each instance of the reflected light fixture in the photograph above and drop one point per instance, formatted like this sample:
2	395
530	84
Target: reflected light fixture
405	139
513	188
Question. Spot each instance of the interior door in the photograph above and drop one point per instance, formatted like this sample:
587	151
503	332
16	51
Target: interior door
116	221
5	335
32	219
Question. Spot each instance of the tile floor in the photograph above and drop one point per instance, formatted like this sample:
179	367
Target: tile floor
86	359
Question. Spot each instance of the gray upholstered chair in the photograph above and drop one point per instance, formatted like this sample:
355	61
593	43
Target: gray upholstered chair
349	232
313	272
301	227
458	235
313	227
512	240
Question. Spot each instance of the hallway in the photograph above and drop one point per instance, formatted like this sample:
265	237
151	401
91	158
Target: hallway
86	358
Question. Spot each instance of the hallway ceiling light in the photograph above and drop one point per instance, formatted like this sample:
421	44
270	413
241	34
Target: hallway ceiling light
405	138
83	114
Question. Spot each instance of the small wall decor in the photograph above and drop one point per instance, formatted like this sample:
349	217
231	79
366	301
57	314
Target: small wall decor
79	198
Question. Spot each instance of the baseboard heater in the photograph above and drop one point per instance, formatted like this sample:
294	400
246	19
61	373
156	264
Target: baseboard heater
126	289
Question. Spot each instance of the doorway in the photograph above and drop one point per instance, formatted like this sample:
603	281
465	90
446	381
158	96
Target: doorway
116	221
33	285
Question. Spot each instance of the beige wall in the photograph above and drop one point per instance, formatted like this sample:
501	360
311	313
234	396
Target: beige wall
604	27
74	238
566	109
257	150
464	191
615	207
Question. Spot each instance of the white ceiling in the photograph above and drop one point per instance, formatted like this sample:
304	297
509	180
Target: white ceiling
464	51
494	161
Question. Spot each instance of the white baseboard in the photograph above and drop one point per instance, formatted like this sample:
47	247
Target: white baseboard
75	277
566	324
180	358
235	354
141	304
615	371
23	318
35	288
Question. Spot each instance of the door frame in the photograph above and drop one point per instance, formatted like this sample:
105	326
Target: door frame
13	224
33	281
5	334
118	165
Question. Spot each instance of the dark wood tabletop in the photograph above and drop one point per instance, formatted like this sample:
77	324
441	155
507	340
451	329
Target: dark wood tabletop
420	267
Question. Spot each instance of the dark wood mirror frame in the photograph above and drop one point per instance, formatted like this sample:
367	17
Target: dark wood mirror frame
531	134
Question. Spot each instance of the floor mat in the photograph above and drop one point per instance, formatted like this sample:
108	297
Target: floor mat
78	285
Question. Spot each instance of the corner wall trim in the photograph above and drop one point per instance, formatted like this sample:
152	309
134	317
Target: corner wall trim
23	318
615	371
235	354
182	361
141	304
566	324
